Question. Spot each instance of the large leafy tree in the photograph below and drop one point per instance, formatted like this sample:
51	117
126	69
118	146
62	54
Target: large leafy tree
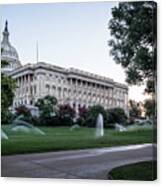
8	86
133	45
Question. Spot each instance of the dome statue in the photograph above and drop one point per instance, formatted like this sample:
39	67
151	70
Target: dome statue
9	53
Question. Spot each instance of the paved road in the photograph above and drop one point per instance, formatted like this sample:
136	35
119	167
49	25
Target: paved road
78	164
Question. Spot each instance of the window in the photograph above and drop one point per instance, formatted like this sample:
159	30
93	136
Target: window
31	90
47	88
35	88
59	91
31	78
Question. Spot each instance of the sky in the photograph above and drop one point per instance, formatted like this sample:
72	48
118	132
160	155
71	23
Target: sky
68	35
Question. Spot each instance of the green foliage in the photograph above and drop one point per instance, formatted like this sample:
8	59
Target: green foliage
46	104
3	63
47	109
93	114
6	116
150	108
110	116
133	27
150	87
134	110
8	85
116	115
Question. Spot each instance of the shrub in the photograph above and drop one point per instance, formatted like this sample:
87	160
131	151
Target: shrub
83	111
47	109
92	115
23	110
65	115
116	115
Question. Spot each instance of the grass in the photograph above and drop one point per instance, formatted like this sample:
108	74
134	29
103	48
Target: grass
61	138
144	171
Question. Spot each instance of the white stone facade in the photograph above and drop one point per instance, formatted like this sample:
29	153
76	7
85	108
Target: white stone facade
73	86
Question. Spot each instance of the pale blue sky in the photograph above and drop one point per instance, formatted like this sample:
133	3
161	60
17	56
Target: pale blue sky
68	35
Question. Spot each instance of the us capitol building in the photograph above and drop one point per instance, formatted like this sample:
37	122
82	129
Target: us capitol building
70	86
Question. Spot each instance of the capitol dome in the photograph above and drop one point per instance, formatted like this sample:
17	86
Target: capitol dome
9	53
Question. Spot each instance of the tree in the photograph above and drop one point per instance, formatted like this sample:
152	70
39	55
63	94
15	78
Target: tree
8	86
150	108
47	109
134	109
134	27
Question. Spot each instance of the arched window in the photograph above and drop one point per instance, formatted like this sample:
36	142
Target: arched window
48	88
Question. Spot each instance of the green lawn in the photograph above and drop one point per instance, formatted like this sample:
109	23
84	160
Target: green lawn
144	171
61	138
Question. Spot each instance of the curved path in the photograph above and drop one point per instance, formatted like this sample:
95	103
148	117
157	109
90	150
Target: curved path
77	164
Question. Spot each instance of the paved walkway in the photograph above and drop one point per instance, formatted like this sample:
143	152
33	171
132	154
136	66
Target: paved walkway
78	164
